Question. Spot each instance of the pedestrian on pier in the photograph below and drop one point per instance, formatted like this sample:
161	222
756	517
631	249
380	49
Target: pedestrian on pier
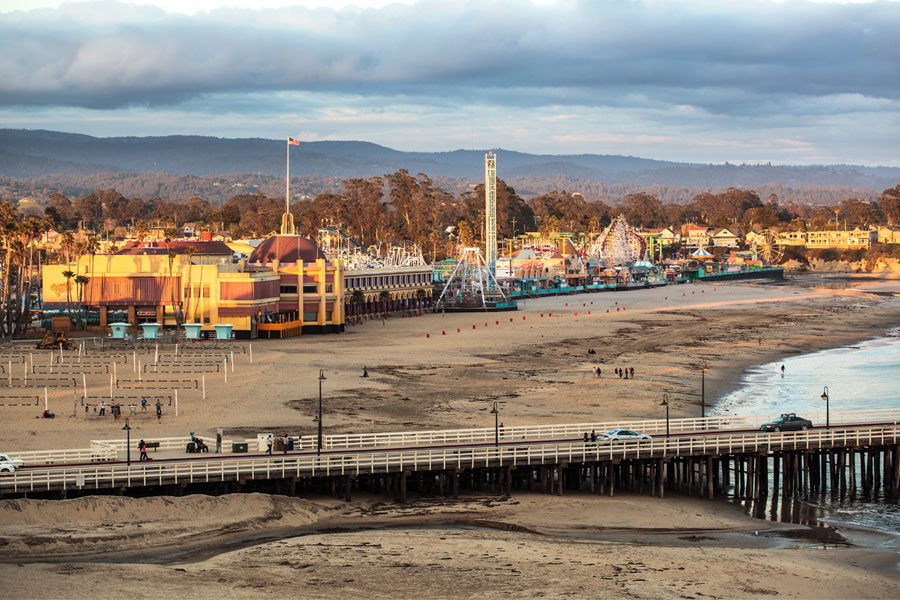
269	445
585	437
593	435
143	448
218	442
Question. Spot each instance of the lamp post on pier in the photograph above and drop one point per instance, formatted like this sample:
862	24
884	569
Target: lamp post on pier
665	403
496	414
127	430
319	416
703	369
824	397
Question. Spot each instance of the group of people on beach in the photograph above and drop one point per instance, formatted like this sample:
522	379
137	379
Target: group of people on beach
115	409
623	373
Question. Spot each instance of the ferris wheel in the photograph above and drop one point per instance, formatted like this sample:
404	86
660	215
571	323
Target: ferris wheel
769	249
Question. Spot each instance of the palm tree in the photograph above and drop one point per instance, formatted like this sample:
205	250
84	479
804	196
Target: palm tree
140	230
420	296
170	234
9	229
356	299
69	274
80	280
383	297
92	246
189	251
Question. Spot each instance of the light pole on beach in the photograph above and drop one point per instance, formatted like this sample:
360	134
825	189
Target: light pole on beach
496	414
319	416
665	403
827	411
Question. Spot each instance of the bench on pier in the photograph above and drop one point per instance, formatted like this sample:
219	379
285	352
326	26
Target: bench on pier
154	445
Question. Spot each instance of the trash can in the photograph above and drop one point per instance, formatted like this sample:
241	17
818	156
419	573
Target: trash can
290	444
239	447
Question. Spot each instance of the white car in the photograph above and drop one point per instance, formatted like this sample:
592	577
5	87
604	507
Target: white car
623	435
9	464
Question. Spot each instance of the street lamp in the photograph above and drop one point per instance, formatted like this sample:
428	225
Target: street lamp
319	416
703	369
127	430
496	414
665	403
827	412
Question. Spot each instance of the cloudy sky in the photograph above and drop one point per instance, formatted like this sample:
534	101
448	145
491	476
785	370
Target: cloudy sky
793	82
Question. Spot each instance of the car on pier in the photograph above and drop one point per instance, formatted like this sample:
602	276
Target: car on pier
623	435
9	464
787	422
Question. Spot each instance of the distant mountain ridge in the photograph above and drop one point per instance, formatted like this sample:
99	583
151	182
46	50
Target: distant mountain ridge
35	153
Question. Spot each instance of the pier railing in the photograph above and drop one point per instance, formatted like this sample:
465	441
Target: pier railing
357	462
104	450
651	427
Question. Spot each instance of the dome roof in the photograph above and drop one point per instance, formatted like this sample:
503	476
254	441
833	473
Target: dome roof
286	249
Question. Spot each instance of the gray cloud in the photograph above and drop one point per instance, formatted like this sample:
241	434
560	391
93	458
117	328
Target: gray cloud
733	60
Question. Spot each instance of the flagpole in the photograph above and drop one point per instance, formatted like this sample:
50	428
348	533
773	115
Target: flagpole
287	180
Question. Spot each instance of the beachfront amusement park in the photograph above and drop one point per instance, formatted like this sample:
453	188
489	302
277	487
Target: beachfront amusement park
289	284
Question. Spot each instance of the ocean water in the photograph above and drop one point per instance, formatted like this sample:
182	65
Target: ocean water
862	376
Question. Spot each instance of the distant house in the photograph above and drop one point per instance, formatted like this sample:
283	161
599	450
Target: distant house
888	234
791	238
725	238
695	236
754	236
664	236
841	239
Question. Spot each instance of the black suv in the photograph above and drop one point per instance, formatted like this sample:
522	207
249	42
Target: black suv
787	422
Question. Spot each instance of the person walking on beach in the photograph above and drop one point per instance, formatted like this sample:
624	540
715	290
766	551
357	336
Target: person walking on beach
594	371
782	370
143	448
143	405
103	408
616	371
158	412
632	371
626	373
599	373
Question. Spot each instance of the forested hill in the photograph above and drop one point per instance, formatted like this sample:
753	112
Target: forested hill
35	153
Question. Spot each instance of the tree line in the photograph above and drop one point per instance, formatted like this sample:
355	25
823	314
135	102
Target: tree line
402	206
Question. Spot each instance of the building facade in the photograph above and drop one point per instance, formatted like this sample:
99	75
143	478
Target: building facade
198	282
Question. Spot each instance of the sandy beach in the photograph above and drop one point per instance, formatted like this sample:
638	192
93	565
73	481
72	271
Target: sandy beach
538	369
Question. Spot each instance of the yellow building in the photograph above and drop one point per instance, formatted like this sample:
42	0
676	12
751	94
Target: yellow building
844	239
285	281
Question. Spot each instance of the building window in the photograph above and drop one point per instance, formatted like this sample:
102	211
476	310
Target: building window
187	291
288	289
328	288
206	291
310	316
310	289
